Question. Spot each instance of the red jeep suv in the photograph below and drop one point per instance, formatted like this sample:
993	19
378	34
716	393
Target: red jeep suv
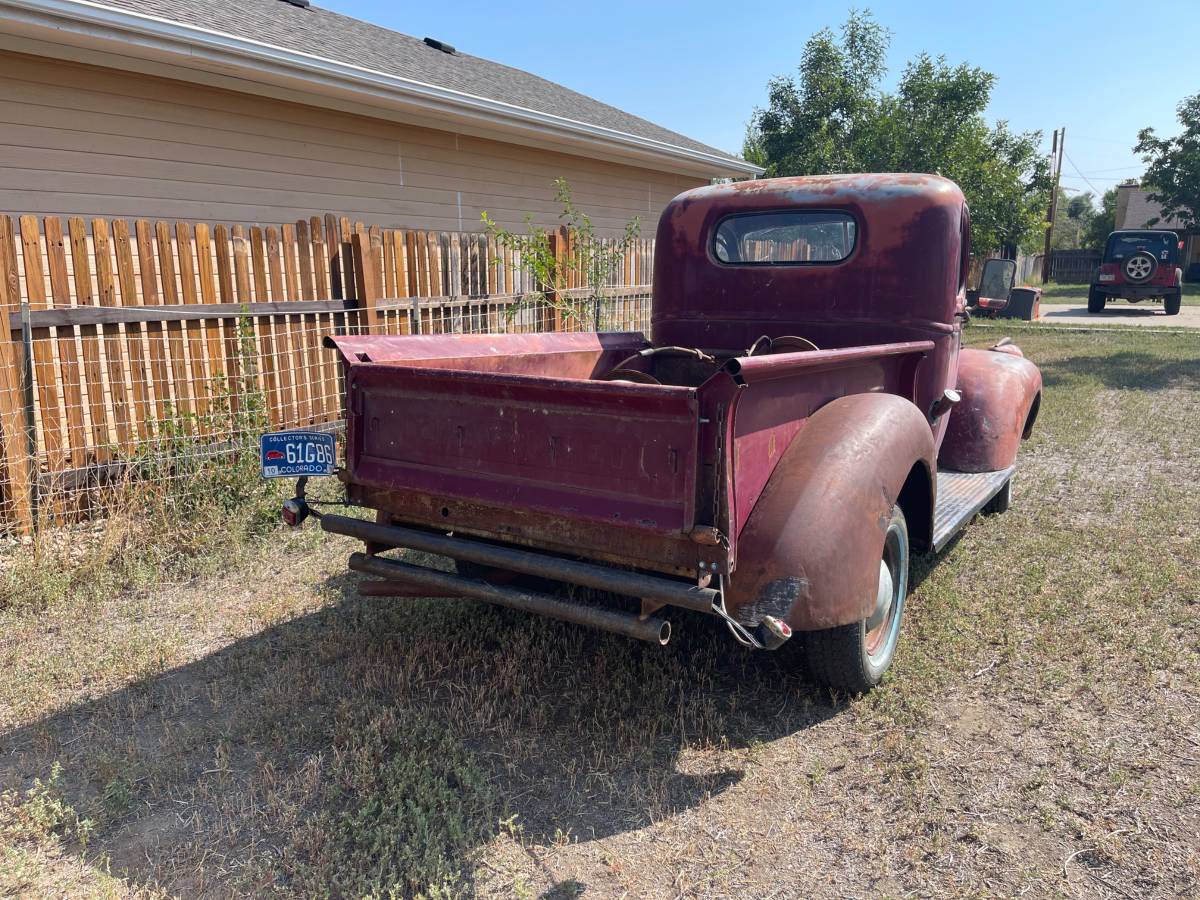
1138	265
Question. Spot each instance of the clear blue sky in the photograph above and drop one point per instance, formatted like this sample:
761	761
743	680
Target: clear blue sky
700	68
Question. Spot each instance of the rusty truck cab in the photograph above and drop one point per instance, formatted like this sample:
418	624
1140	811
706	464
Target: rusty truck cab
840	260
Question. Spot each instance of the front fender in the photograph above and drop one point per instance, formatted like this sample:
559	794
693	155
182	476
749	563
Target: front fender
1000	396
810	551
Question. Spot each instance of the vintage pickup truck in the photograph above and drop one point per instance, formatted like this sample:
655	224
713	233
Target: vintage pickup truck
800	421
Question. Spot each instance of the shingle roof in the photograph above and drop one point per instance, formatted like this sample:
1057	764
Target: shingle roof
1142	209
342	39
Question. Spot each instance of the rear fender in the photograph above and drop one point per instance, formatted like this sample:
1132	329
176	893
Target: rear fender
1001	393
810	551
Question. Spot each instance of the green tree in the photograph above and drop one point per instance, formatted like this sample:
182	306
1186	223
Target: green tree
815	124
1173	165
1074	217
1102	222
1080	206
834	117
752	148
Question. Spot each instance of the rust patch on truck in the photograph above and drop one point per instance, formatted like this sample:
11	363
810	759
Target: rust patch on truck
1000	396
816	532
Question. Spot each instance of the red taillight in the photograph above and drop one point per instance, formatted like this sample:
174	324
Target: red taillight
777	627
294	512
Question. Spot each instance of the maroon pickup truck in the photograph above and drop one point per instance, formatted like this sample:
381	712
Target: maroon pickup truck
800	421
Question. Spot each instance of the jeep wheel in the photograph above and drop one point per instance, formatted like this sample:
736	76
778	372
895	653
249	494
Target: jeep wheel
1095	301
1172	302
855	657
1140	267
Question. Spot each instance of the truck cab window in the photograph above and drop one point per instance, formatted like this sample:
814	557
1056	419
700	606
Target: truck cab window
784	238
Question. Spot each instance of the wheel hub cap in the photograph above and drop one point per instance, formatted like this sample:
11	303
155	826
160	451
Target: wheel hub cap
883	598
1137	268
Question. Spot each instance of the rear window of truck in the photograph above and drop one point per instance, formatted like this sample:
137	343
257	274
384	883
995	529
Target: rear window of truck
795	237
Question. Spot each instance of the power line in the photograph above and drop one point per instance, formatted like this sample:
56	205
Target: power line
1080	137
1095	189
1097	177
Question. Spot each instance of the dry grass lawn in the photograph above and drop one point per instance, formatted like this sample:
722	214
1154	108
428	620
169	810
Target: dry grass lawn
251	726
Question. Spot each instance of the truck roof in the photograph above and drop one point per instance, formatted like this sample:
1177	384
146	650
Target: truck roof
805	189
908	242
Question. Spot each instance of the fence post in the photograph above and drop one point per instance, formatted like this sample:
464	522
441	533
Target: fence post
416	314
557	242
30	399
366	279
17	463
12	424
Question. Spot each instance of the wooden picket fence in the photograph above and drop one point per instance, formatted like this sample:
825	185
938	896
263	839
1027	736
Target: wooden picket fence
797	250
1073	266
125	336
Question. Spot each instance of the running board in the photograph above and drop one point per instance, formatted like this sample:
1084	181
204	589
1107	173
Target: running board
960	497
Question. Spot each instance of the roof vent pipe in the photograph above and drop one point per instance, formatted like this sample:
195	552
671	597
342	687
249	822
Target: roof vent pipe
439	45
303	4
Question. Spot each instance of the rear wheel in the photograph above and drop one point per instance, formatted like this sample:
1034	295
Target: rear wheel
855	657
1172	302
1095	301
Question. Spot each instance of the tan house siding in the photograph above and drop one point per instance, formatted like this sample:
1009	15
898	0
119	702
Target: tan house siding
1135	209
84	140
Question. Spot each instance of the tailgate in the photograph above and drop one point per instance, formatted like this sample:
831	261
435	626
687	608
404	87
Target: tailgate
588	450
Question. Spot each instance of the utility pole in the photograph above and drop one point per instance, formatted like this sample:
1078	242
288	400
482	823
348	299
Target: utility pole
1056	158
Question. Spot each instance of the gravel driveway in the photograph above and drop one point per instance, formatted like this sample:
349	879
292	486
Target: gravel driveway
1147	314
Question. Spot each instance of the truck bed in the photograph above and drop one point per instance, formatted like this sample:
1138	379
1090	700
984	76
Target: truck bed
535	440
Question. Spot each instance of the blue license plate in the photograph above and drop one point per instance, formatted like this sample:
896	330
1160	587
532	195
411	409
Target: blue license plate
287	454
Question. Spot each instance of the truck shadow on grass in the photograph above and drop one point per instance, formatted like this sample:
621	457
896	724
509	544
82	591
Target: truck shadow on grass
376	743
1126	369
1115	312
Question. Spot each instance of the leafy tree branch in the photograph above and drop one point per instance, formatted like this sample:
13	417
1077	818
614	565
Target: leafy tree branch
1173	165
833	116
593	260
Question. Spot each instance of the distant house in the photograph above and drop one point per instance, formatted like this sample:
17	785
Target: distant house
268	110
1135	209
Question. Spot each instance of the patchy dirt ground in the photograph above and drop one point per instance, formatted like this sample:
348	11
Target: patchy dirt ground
264	730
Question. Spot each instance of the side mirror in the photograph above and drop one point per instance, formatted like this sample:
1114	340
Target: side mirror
997	279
